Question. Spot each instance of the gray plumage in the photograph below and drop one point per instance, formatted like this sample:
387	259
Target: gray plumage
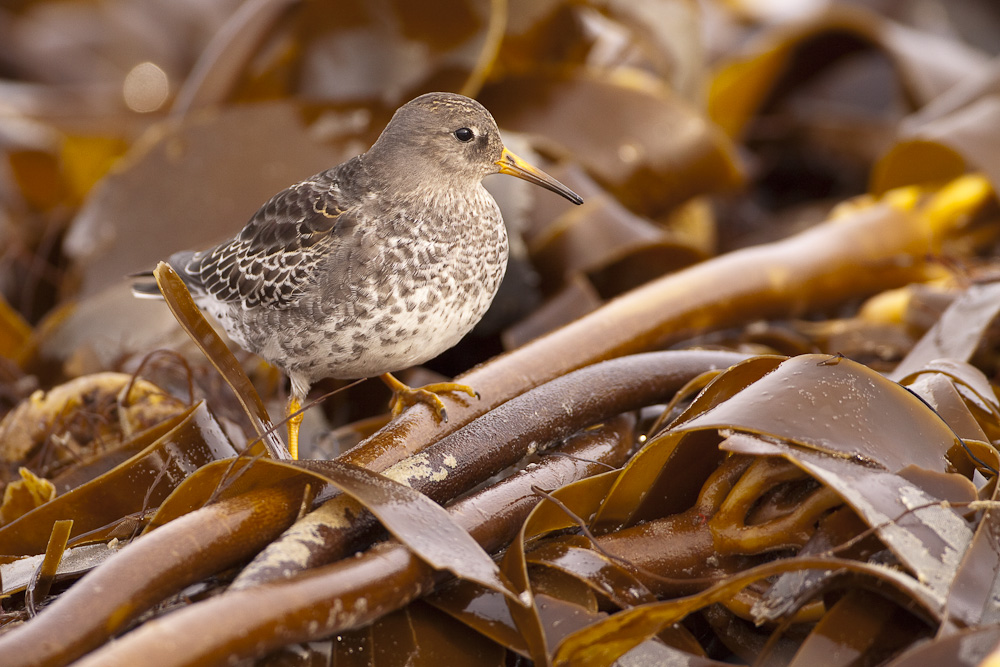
375	265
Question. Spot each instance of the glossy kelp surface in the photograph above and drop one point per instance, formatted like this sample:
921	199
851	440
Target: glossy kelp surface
739	407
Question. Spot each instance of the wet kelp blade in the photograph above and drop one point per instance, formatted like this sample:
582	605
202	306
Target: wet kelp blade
975	587
859	623
601	643
469	456
957	333
846	426
43	578
506	504
607	249
323	601
220	516
948	394
580	496
140	483
231	478
574	556
74	562
968	380
971	647
922	530
840	408
194	323
422	525
666	475
421	633
855	431
482	610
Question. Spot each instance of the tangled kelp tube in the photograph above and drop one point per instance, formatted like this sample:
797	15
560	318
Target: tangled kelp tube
746	409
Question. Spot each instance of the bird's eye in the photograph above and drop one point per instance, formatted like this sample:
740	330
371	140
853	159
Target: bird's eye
464	134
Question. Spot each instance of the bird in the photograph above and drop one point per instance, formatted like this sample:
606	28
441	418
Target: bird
373	266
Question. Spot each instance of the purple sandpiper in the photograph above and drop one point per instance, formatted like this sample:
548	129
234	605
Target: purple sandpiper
373	266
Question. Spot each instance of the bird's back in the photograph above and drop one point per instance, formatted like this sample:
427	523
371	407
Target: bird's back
271	260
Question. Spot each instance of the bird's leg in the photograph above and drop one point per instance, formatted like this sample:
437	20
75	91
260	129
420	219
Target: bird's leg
404	396
293	419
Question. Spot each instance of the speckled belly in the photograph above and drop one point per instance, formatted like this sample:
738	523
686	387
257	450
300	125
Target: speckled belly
396	317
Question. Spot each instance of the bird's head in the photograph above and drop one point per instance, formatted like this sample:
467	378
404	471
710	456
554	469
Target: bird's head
449	137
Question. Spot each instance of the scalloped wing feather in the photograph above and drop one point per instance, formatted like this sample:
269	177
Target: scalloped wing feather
278	251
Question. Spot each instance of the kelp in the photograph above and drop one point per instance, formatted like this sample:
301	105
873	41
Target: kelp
487	447
129	489
208	341
339	596
192	546
751	419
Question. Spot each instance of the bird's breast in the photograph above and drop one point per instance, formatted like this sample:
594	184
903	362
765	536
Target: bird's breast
406	292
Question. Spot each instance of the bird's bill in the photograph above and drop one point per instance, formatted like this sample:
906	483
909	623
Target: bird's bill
514	166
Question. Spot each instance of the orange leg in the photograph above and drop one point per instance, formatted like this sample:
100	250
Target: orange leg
404	396
293	422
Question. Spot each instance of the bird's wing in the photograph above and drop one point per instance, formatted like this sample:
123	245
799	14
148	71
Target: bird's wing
276	254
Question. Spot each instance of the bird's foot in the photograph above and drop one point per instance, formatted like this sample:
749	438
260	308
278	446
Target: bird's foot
403	396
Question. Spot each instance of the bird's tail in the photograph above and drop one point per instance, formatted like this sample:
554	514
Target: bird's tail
144	286
144	283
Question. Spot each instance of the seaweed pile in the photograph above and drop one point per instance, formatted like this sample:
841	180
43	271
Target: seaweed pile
740	407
